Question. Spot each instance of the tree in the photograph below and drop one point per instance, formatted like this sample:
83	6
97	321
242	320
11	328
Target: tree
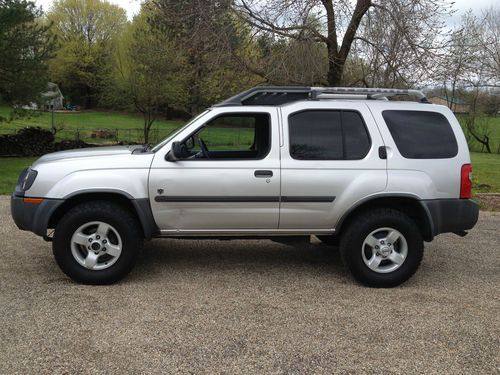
209	36
489	40
87	32
398	43
147	72
25	47
340	23
461	57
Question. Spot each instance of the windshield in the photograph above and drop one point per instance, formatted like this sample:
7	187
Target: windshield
166	140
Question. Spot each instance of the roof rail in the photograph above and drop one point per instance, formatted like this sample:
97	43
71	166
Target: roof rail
371	93
277	95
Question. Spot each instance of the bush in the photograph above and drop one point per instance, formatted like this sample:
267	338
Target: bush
35	141
8	146
70	145
30	141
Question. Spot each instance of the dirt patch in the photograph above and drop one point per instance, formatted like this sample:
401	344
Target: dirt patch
489	202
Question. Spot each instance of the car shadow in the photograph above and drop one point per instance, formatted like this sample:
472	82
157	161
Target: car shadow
161	256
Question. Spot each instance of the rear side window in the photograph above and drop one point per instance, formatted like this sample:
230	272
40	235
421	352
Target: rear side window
421	135
328	135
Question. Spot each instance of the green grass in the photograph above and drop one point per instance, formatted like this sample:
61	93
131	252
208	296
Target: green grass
128	125
10	168
491	123
486	172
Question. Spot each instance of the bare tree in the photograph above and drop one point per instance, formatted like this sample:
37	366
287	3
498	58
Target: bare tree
489	40
400	42
338	25
461	56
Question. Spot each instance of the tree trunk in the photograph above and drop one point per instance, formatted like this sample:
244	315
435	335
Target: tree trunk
338	57
146	128
485	141
335	70
194	84
88	97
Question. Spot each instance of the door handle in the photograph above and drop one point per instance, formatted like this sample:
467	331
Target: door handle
382	152
263	174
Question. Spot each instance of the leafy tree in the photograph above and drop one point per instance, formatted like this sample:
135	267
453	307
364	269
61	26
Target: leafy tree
87	31
25	46
148	72
210	37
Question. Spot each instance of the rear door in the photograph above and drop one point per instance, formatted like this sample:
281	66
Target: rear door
426	148
329	161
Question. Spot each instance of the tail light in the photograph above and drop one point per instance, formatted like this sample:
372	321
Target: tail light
466	181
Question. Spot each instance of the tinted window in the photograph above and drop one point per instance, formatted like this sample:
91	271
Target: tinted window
356	139
328	135
421	135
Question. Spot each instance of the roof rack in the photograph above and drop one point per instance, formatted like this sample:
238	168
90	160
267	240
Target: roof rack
277	95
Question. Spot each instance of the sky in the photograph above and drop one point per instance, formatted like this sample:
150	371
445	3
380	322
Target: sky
132	6
464	5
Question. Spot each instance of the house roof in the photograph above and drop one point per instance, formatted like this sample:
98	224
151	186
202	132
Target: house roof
453	99
52	91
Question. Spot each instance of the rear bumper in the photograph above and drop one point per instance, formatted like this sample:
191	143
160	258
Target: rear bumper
451	215
33	217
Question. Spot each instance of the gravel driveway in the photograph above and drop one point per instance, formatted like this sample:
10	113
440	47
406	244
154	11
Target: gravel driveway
251	307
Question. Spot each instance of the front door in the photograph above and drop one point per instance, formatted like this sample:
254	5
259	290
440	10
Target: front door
227	179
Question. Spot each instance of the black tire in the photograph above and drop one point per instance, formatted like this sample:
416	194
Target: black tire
329	240
360	227
122	220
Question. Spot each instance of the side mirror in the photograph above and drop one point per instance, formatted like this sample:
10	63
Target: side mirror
175	153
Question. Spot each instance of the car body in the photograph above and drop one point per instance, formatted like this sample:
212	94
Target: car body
291	173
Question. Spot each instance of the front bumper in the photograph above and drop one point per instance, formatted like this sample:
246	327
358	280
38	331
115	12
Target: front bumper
33	217
451	215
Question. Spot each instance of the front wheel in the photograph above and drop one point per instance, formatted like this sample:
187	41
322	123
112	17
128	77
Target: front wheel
382	248
97	243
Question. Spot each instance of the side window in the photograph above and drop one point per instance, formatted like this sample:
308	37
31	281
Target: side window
421	134
232	136
328	135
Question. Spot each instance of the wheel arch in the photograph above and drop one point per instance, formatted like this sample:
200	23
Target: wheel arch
140	208
406	203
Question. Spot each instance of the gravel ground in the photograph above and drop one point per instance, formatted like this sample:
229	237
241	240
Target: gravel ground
251	307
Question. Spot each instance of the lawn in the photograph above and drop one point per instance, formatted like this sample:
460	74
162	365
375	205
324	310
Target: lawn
486	172
491	123
10	168
126	126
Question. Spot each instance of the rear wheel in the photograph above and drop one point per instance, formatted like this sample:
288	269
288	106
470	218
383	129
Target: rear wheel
97	243
382	248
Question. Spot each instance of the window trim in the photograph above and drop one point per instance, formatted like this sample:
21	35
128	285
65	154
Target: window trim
370	142
423	111
224	114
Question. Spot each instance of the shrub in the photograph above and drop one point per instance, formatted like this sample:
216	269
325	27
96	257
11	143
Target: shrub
30	141
70	144
34	141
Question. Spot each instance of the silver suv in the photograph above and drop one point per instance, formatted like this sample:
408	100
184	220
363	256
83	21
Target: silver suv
373	176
